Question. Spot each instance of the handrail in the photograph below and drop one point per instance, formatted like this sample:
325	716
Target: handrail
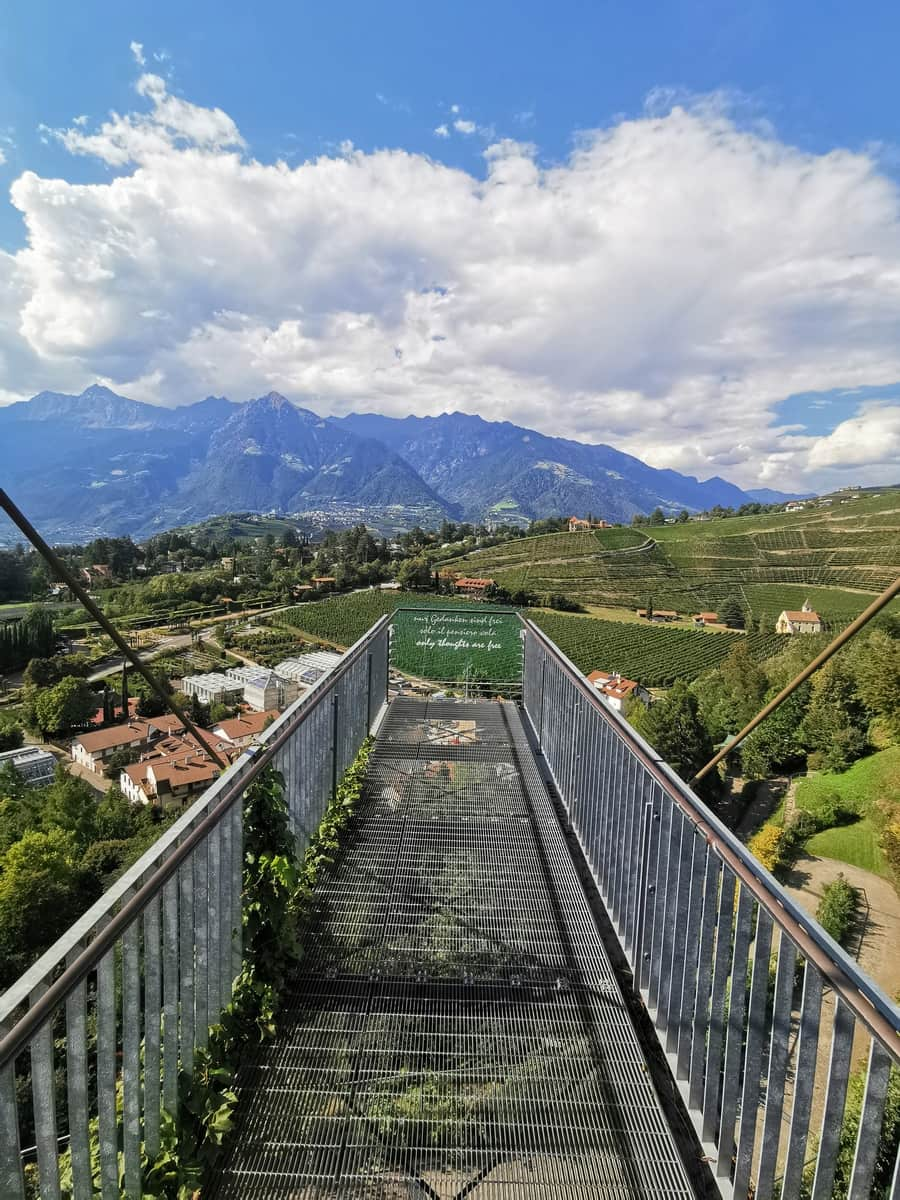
25	1028
856	989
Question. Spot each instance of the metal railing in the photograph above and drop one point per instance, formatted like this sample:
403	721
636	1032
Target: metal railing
106	1020
762	1016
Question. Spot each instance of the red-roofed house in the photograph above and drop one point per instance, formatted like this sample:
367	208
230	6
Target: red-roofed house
616	689
708	618
245	727
472	587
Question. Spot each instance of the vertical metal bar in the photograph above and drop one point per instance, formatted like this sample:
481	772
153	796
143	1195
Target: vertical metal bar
756	1028
43	1091
368	690
701	1016
737	1003
835	1095
778	1066
673	928
186	965
679	973
214	982
869	1133
152	1027
77	1085
712	1085
688	992
107	1122
804	1077
237	883
226	934
201	942
642	897
664	857
171	980
131	1062
334	745
12	1183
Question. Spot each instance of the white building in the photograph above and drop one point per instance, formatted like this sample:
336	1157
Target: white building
213	688
307	669
804	621
264	689
37	767
616	689
91	750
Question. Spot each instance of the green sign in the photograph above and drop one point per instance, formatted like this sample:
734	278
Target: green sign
457	646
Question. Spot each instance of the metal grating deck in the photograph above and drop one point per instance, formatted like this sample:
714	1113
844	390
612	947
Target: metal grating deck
456	1029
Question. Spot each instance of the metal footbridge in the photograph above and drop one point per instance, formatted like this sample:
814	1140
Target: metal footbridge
457	1029
540	967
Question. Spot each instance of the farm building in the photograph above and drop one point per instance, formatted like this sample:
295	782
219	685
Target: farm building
616	689
657	614
705	618
473	587
578	525
804	621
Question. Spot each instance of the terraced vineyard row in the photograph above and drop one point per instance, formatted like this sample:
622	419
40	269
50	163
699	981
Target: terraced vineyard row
653	654
698	564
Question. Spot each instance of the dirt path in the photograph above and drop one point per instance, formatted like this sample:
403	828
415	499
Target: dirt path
875	944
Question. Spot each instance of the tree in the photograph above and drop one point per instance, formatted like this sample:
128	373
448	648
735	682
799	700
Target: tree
414	573
118	761
877	673
776	743
70	703
69	804
117	818
836	722
20	807
673	727
11	735
683	517
731	612
40	888
657	517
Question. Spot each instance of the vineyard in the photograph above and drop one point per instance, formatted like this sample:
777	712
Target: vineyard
655	655
764	561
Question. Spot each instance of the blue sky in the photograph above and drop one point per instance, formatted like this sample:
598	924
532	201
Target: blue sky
299	78
799	101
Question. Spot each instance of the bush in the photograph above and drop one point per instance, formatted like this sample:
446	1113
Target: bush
837	909
767	846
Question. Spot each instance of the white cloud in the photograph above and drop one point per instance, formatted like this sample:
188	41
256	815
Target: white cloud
2	157
137	50
462	126
81	121
662	289
870	439
454	108
442	131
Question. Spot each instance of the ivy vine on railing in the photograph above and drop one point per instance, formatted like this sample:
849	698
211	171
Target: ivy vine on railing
277	902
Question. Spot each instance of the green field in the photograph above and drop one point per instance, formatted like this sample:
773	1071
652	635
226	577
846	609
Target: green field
855	844
838	557
859	790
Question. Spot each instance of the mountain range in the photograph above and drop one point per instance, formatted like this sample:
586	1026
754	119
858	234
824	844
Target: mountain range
101	463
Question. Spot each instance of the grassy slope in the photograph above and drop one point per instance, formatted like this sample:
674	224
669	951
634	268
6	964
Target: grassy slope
837	557
868	781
